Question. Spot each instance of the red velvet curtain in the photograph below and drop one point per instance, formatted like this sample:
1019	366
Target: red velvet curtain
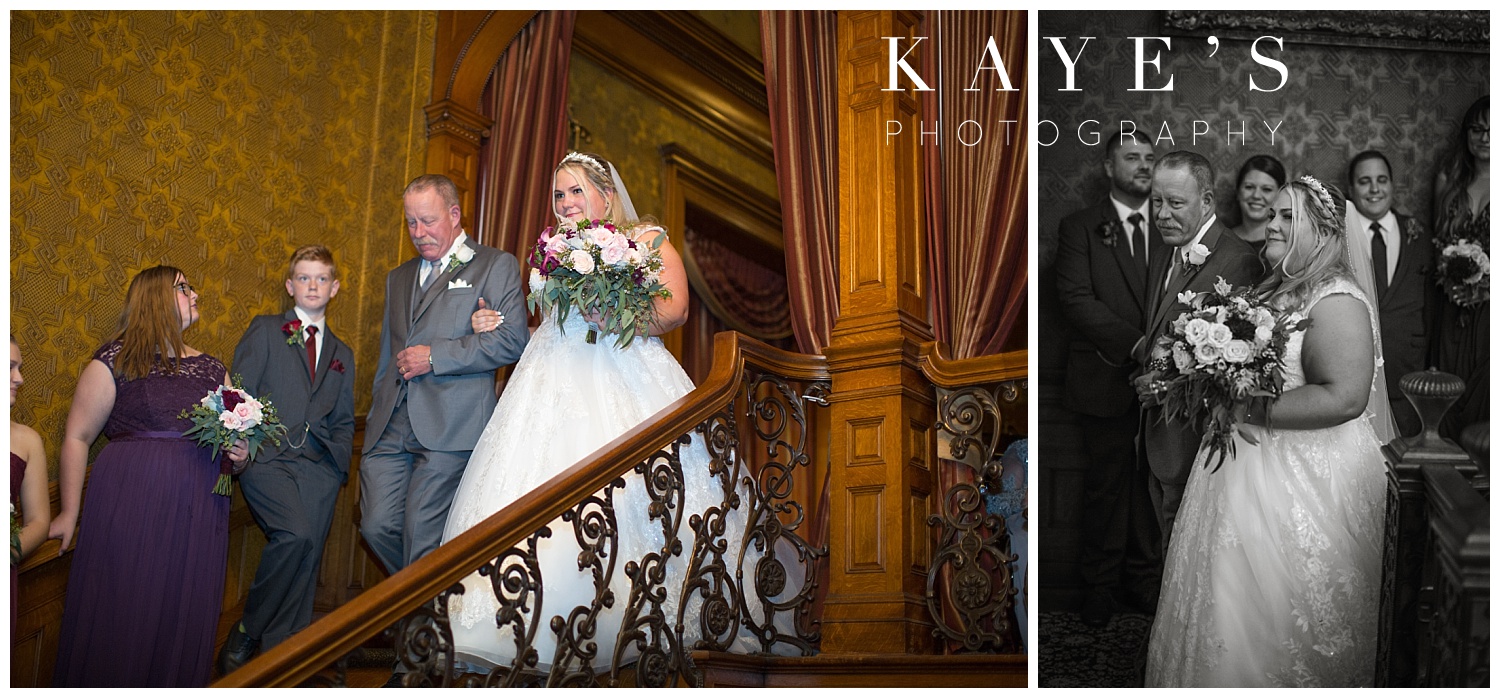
976	194
976	202
801	65
801	50
528	99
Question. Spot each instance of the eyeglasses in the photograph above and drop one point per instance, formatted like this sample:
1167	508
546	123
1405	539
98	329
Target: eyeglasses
185	288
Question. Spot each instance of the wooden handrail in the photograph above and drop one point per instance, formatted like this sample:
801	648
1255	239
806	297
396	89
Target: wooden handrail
946	372
322	644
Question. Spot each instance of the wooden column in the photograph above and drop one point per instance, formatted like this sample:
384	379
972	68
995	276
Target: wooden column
882	408
454	134
469	44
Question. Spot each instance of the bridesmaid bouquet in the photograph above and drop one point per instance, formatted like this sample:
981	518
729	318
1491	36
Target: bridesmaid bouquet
1230	347
227	414
1464	272
594	267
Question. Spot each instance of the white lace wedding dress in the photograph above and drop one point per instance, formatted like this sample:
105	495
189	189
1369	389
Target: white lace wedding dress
565	399
1273	574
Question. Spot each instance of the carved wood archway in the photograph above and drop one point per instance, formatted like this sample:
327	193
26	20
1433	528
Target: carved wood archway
469	44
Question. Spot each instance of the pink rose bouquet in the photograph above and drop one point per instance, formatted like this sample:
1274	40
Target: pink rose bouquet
227	414
596	268
1230	347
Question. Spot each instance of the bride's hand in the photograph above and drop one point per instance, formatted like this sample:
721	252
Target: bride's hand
595	317
484	319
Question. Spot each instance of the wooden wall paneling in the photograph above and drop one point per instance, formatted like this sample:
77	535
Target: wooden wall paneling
881	407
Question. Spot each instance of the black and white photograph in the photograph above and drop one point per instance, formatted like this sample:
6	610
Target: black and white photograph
1263	348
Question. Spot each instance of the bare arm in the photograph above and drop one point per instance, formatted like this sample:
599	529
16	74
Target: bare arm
36	510
1339	360
92	403
668	313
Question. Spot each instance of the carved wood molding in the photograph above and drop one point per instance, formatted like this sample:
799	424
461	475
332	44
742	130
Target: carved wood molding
451	118
946	372
469	44
704	46
725	195
654	65
1431	30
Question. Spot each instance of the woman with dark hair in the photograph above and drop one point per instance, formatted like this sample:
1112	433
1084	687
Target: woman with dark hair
30	511
147	580
1272	577
1461	202
1254	190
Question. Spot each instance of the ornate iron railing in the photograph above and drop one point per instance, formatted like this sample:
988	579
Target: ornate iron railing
744	584
981	409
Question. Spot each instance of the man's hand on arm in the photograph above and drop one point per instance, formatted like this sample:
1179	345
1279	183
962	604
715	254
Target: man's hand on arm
414	361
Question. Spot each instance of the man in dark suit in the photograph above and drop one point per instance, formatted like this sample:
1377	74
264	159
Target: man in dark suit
1102	262
296	361
435	387
1397	251
1201	251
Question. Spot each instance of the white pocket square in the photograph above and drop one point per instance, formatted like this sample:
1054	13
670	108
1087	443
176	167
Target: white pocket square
458	283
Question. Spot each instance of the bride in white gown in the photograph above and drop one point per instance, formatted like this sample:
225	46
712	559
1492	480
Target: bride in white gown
1273	574
565	399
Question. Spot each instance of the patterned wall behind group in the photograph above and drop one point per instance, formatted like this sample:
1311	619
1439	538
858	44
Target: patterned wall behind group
213	141
1337	101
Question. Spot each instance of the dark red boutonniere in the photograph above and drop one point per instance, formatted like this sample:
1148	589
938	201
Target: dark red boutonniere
337	365
293	332
1109	230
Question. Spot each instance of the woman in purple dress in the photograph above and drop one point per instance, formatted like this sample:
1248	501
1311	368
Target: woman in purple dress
147	580
29	509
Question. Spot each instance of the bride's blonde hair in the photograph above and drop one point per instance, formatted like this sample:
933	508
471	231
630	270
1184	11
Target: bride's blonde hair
593	170
1321	207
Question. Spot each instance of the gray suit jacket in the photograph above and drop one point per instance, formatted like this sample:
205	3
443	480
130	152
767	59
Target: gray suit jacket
1170	448
449	406
322	410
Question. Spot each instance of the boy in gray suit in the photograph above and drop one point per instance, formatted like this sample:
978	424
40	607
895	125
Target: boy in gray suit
295	360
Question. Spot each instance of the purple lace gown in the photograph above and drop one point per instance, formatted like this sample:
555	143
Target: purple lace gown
147	582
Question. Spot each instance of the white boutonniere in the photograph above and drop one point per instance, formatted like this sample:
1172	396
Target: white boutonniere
458	283
459	257
1196	255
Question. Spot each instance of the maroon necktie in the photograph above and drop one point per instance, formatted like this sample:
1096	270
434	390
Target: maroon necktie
312	352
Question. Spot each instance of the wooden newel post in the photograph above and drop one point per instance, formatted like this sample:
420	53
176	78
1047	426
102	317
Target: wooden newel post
1432	393
881	407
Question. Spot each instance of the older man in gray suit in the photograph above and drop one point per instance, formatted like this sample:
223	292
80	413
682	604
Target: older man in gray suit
1202	251
434	386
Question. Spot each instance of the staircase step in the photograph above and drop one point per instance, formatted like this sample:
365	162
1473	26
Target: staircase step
863	670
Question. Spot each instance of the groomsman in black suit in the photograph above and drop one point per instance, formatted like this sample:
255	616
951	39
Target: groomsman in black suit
1103	255
1398	252
296	361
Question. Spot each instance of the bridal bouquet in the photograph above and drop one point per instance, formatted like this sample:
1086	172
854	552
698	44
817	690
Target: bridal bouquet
227	414
594	267
1464	272
1228	348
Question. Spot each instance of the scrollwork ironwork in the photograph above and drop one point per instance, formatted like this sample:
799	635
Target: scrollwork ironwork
747	572
970	590
973	551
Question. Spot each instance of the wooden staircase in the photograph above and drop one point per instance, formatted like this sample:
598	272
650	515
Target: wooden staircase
760	409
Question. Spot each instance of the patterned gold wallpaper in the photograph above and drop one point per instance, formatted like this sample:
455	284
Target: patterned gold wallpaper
215	141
